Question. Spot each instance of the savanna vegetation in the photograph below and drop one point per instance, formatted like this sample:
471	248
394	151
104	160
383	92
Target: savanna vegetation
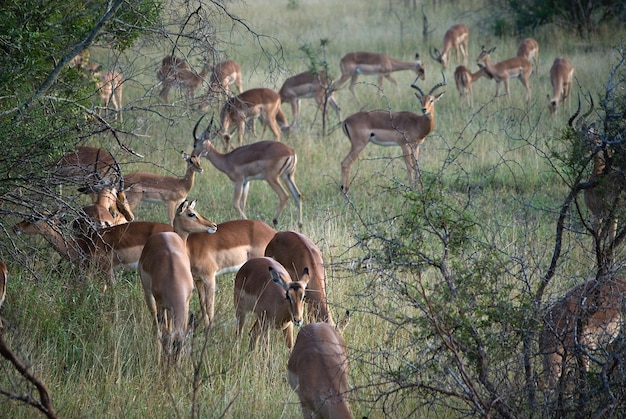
448	280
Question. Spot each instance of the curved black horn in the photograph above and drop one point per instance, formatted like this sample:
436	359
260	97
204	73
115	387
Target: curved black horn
570	122
438	85
434	56
195	128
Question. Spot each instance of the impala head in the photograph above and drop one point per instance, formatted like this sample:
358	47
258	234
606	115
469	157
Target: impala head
439	57
484	55
428	100
294	292
193	162
199	142
189	220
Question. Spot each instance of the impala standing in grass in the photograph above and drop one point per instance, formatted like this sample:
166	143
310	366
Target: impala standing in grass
529	48
151	187
505	70
223	75
295	252
264	287
224	251
405	129
364	63
457	38
165	273
561	77
255	103
318	372
308	85
464	79
271	161
176	72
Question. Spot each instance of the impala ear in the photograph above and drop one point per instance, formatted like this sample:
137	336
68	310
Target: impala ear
276	277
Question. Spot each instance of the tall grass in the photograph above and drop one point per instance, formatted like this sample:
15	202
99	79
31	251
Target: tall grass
96	350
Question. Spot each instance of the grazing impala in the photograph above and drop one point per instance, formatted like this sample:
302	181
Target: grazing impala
529	48
561	77
165	273
308	85
296	252
175	72
254	103
223	75
405	129
354	64
586	319
264	287
105	249
264	160
151	187
464	78
223	252
456	37
4	278
318	372
505	70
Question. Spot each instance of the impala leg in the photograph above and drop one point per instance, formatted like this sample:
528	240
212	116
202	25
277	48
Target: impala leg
283	197
241	128
390	78
239	197
206	296
352	83
411	153
295	193
244	194
255	333
271	120
288	335
346	164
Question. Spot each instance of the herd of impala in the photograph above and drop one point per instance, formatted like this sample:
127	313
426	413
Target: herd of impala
278	271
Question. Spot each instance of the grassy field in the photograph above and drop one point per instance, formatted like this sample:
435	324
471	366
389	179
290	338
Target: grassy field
96	349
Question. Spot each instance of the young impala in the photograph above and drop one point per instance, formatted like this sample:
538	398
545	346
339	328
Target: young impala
296	252
358	63
110	88
529	48
264	160
254	103
223	75
264	287
464	78
405	129
586	319
308	85
456	37
505	70
561	77
165	273
224	251
317	371
176	72
151	187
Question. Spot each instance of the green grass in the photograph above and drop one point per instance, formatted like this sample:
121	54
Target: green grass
96	350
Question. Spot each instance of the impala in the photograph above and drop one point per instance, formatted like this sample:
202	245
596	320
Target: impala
264	160
505	70
405	129
296	252
354	64
151	187
105	249
4	278
175	72
165	273
110	88
223	75
264	287
254	103
308	85
317	371
89	166
529	48
561	77
464	78
224	251
456	37
586	319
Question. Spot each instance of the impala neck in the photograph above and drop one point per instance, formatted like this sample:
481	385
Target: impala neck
217	159
65	246
402	65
